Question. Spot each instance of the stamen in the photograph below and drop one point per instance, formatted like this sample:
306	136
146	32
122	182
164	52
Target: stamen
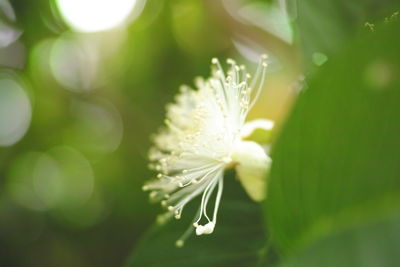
179	207
209	193
260	87
204	201
209	227
258	71
153	194
215	61
172	126
178	215
218	199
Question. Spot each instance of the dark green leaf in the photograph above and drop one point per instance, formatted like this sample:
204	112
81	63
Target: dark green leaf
368	246
337	160
238	239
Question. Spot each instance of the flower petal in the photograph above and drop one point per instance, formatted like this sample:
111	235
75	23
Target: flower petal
253	164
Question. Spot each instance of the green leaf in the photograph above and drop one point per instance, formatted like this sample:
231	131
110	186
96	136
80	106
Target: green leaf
324	27
238	239
337	160
372	245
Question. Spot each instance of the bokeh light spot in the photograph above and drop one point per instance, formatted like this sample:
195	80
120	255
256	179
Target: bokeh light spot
95	15
63	178
59	181
15	112
97	127
48	183
8	35
73	63
19	181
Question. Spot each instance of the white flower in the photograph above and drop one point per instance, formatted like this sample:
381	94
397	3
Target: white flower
204	135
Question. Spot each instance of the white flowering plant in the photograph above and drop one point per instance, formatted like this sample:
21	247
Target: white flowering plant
205	133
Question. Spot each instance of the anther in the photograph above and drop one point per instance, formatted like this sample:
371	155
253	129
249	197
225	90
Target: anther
230	61
183	88
199	230
160	219
179	243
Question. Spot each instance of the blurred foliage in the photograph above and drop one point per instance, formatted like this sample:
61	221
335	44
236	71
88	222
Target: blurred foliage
70	189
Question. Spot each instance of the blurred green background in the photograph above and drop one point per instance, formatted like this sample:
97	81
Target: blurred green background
83	85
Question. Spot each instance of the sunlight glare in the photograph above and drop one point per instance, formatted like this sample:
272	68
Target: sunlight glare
95	15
